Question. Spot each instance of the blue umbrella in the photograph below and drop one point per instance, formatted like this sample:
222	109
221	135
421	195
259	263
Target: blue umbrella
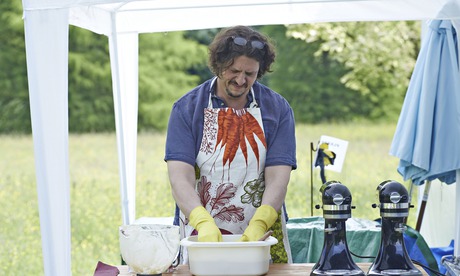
427	137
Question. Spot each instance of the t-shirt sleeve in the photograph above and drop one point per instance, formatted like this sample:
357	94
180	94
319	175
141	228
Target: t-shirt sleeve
180	143
282	147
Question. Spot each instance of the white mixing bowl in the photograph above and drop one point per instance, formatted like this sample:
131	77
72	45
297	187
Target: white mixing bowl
149	248
229	257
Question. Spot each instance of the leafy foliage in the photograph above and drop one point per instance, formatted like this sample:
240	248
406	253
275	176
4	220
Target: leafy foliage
169	65
312	84
164	64
90	87
378	56
329	72
14	98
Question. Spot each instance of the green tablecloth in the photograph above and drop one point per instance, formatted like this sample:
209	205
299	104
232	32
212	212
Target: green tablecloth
306	238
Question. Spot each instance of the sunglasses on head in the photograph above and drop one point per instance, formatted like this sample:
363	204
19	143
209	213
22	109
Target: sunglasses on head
238	40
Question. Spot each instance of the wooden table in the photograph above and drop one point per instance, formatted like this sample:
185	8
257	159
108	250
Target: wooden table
275	269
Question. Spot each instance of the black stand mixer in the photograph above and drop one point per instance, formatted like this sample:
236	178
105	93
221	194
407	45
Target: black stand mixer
393	258
335	258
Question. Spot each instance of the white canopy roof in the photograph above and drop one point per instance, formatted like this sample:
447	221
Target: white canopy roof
160	15
46	33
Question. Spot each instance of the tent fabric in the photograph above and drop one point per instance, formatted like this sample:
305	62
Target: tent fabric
124	55
168	15
436	213
46	34
457	217
48	105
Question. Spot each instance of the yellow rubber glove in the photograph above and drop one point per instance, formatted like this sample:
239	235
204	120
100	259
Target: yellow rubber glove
207	229
262	220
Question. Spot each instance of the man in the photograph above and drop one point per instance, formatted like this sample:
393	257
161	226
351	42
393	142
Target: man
230	145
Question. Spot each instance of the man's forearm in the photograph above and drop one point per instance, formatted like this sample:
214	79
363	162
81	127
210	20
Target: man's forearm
182	179
276	182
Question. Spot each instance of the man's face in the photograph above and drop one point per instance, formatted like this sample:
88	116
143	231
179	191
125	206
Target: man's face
236	81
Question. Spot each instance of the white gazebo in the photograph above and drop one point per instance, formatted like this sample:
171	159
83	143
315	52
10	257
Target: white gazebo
46	33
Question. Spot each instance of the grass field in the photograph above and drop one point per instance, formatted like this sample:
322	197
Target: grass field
95	197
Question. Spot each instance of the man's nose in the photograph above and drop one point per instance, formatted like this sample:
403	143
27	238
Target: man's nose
241	79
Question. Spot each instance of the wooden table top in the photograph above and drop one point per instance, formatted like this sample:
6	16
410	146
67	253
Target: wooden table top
275	269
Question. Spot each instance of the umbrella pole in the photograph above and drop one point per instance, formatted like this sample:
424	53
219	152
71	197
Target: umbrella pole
423	205
411	191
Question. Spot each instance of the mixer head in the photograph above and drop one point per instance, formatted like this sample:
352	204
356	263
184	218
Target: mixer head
336	201
394	199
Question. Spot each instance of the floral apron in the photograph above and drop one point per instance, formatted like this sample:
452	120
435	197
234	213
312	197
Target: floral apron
230	172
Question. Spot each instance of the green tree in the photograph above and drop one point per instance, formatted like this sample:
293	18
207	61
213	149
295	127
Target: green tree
164	59
203	37
14	96
379	57
312	83
328	71
169	65
91	107
164	74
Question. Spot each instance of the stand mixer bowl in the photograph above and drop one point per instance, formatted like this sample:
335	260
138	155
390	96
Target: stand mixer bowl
149	249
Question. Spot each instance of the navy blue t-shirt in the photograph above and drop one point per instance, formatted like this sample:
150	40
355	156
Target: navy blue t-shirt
185	128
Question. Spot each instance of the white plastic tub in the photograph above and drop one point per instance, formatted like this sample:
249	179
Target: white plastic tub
229	257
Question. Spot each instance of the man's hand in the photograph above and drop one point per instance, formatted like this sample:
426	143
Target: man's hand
262	220
207	229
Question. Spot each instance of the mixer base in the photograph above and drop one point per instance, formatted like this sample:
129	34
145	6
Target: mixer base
337	272
402	272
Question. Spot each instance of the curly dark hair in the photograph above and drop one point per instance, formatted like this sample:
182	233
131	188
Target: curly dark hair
224	49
